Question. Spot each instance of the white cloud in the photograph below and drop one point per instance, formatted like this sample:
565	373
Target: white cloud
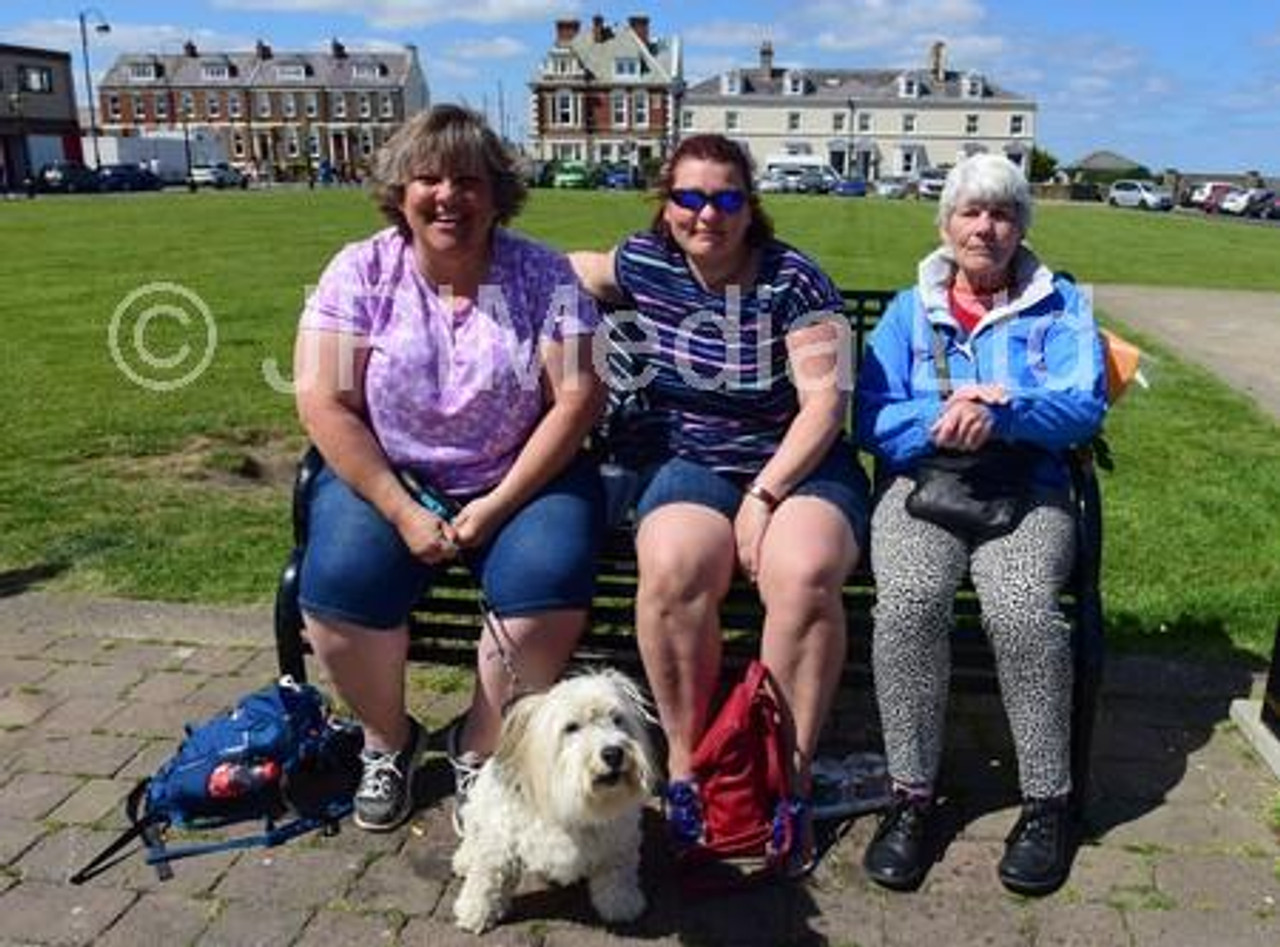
402	14
447	68
122	38
718	34
698	67
499	47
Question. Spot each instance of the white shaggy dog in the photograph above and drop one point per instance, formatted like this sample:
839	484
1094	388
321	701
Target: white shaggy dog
560	798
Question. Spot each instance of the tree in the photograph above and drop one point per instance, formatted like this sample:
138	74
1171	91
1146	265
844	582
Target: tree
1043	165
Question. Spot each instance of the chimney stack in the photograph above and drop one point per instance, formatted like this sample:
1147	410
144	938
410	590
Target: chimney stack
336	49
640	26
566	30
189	50
263	50
938	61
597	28
766	58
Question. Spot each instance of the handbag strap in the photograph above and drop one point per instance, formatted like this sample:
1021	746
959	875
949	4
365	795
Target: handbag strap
940	365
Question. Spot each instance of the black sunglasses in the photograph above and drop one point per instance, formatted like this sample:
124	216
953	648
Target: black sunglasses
727	202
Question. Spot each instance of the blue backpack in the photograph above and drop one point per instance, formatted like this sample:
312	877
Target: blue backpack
277	751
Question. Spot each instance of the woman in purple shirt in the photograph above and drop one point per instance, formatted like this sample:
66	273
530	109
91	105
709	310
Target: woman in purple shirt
451	349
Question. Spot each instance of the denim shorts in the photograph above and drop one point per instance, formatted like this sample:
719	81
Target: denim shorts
838	479
357	568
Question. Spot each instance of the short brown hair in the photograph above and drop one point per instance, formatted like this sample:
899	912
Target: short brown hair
445	138
721	150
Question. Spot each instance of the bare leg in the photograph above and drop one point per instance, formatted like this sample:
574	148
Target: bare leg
685	554
366	666
808	552
538	647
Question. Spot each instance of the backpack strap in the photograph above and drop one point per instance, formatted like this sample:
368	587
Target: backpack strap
273	836
149	828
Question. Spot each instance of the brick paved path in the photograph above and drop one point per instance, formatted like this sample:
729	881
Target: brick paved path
93	694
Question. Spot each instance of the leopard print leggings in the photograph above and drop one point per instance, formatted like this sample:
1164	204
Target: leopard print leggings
918	567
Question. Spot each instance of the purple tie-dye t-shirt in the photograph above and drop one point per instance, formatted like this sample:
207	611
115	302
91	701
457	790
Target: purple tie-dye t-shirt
453	395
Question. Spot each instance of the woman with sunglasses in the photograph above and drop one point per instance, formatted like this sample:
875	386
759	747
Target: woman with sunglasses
739	360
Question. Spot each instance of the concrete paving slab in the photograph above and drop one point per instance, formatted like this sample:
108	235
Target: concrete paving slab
1182	847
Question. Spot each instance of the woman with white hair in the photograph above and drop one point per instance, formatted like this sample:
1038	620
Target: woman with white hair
989	357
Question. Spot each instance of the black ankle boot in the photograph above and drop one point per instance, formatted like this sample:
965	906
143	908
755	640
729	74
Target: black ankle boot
900	853
1037	853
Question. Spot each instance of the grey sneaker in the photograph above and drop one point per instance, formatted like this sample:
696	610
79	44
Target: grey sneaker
385	797
466	767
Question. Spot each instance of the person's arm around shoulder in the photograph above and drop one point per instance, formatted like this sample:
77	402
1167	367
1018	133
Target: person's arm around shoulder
597	272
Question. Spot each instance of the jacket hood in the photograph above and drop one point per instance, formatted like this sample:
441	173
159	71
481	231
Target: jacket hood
1032	282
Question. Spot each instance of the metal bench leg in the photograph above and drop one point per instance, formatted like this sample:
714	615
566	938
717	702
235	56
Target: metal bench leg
288	621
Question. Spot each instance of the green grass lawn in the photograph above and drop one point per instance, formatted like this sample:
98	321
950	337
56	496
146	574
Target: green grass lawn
110	487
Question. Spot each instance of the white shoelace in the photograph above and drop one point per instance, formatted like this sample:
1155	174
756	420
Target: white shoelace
376	780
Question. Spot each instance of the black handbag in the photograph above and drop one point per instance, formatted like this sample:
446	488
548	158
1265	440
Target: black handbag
977	495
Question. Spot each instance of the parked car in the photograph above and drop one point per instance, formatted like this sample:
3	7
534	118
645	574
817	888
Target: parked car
1200	193
850	187
571	174
66	177
1245	203
127	177
217	176
620	177
1218	192
893	188
929	183
809	181
1144	195
772	183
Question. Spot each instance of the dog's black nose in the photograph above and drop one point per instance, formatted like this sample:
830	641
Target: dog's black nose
612	756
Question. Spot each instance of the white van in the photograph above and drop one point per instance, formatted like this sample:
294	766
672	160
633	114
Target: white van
799	172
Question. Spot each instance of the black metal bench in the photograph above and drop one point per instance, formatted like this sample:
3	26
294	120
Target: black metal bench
445	624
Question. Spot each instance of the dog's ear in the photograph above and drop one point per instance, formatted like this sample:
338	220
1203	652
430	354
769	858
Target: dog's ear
515	726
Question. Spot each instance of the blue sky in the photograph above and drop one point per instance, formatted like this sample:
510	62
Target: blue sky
1199	91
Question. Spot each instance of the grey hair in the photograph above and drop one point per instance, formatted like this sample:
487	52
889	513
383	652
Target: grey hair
991	179
446	139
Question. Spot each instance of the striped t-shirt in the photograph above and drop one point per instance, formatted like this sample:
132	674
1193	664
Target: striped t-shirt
709	369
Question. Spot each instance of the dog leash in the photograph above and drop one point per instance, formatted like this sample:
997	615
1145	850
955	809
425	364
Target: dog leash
445	507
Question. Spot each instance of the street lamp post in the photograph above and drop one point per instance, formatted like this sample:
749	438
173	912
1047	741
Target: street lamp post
100	26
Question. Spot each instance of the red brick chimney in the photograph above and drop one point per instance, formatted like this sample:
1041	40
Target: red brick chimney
640	26
566	30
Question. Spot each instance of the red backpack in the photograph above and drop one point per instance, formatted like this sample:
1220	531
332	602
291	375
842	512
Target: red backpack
742	769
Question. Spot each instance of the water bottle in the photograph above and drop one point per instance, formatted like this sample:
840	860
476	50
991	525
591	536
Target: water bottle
236	780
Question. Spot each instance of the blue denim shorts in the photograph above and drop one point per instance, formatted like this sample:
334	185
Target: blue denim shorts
838	479
357	568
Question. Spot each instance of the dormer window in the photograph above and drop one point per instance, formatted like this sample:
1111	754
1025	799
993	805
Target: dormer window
561	64
626	68
144	71
291	72
794	83
908	87
215	71
731	82
366	70
973	86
